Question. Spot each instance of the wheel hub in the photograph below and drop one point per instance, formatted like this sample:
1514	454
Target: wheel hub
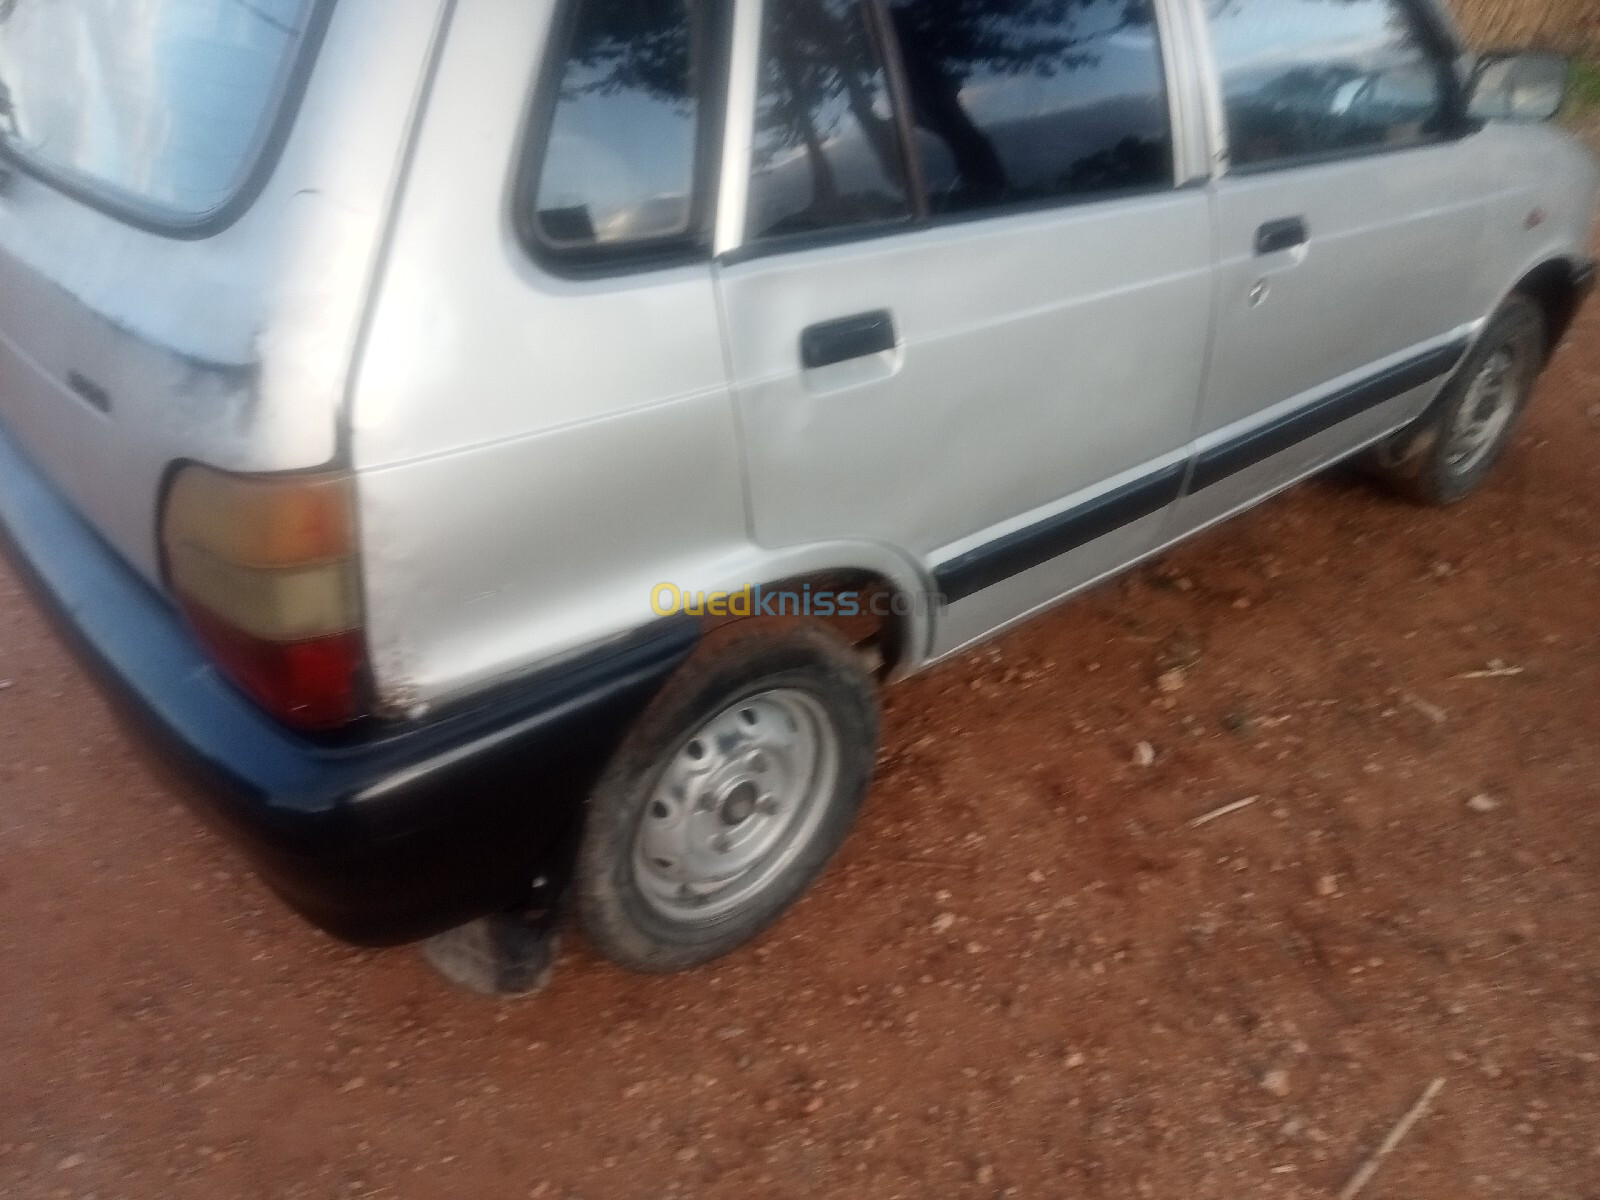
1489	408
735	805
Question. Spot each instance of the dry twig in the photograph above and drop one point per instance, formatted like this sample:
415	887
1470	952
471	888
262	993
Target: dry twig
1495	670
1223	811
1370	1168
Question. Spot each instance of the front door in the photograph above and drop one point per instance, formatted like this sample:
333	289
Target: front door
969	313
1345	224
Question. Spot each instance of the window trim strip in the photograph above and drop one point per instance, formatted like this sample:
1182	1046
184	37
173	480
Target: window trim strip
739	126
892	58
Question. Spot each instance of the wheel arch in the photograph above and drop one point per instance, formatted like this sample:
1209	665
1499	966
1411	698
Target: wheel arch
902	627
1558	285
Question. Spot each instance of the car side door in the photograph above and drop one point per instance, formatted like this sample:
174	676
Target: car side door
1348	217
968	302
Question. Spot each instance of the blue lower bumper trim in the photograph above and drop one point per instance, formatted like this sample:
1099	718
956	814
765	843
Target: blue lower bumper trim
391	835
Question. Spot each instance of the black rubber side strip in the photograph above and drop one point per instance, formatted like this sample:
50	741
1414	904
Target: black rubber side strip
1217	464
1011	555
1027	548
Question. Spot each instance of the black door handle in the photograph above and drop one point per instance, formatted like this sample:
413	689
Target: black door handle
849	337
1277	236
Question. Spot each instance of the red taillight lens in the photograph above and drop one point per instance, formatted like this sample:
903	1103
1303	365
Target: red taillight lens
310	684
265	569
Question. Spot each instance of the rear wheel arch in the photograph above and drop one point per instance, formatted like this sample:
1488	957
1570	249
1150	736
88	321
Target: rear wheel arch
863	608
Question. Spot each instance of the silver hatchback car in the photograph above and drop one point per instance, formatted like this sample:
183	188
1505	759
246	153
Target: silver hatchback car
498	447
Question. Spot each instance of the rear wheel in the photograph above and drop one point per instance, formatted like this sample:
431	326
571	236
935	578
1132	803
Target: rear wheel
1450	453
728	799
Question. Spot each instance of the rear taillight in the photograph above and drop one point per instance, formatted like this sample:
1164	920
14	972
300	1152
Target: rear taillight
265	568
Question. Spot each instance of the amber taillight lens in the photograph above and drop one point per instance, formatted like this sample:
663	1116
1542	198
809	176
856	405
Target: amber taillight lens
265	568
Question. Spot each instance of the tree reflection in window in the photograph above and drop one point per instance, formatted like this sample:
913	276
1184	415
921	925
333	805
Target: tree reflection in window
826	153
1012	101
1026	100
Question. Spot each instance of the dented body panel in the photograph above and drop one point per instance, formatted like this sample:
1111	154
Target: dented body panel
123	351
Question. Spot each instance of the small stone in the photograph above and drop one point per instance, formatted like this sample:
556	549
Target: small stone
687	1155
985	1175
943	922
1276	1081
70	1162
1241	723
813	1106
7	684
1144	755
1074	1060
1171	681
1483	804
1328	885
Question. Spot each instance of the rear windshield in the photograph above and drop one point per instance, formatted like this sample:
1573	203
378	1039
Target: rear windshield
159	108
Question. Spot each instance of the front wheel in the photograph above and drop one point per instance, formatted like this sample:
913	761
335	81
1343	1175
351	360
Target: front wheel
728	799
1450	453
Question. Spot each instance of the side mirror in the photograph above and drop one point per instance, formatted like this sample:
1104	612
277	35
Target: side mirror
1520	86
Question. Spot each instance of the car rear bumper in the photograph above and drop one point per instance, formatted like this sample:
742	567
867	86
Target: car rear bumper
390	835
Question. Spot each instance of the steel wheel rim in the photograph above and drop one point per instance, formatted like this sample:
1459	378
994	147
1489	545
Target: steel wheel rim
1490	404
735	806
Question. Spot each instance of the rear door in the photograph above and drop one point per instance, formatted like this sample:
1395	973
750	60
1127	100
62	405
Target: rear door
1347	223
968	306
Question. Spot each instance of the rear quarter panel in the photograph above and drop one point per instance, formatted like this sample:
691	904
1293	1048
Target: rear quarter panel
534	453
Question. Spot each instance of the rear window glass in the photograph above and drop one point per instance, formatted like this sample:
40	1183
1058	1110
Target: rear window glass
161	106
618	171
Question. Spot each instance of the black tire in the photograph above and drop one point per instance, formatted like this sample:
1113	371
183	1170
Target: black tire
622	880
1436	461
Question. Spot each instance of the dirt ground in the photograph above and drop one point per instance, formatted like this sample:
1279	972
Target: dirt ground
1027	974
